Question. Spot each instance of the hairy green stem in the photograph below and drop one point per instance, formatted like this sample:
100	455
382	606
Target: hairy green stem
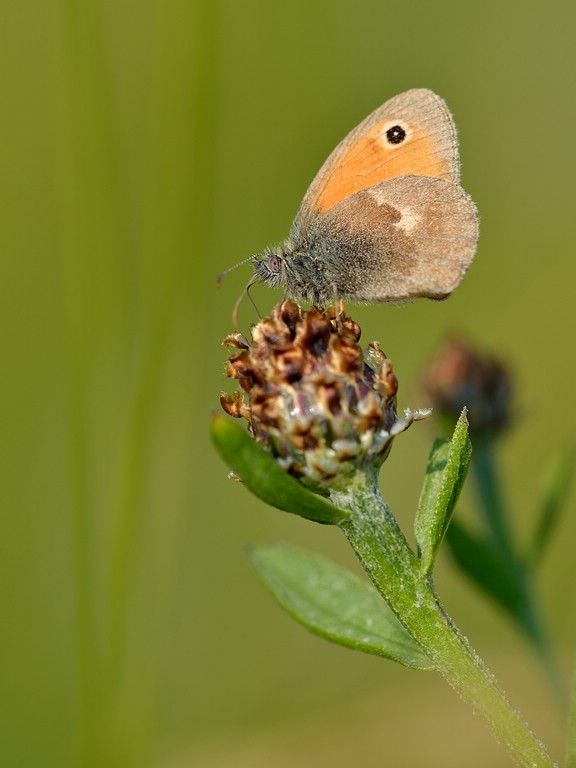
386	556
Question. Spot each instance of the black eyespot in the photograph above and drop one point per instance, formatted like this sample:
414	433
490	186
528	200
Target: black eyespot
396	134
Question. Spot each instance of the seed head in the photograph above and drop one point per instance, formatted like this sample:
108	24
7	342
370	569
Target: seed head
312	397
460	376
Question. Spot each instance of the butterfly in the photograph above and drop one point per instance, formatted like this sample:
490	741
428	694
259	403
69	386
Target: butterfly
385	219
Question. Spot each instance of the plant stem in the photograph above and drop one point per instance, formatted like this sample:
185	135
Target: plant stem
386	556
493	508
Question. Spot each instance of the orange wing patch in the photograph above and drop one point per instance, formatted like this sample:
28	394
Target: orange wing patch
373	159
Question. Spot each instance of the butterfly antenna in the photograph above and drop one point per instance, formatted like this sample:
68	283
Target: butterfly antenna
221	275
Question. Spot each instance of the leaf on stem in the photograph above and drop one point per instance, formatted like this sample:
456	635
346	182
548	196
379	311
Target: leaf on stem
262	475
555	492
334	603
445	474
484	565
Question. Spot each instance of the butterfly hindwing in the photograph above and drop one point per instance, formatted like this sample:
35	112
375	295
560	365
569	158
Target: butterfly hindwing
410	237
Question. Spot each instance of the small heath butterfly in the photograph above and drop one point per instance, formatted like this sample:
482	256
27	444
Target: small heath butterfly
385	219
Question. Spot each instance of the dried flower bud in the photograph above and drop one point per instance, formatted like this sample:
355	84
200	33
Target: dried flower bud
313	398
459	376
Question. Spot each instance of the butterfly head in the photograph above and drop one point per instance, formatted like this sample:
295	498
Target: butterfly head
269	267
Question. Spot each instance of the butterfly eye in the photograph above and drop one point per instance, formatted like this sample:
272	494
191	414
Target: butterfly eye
273	263
394	133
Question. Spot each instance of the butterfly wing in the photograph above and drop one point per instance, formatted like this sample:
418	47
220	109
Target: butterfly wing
404	238
411	134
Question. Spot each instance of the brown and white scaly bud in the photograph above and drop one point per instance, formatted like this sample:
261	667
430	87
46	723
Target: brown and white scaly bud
312	397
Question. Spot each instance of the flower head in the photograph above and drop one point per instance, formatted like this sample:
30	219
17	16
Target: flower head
460	376
322	406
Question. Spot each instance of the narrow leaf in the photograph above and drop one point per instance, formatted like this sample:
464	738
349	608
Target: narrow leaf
479	560
334	603
269	482
554	497
445	474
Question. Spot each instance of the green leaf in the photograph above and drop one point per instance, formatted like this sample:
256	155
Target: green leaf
336	604
554	496
445	474
260	473
491	572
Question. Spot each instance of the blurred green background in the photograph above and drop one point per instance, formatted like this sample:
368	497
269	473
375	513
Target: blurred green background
145	146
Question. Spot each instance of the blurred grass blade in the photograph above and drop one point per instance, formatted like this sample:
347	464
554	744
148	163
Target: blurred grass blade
262	475
554	496
445	474
571	730
334	603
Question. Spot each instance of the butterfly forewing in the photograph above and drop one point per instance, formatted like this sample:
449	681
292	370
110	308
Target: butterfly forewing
411	134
